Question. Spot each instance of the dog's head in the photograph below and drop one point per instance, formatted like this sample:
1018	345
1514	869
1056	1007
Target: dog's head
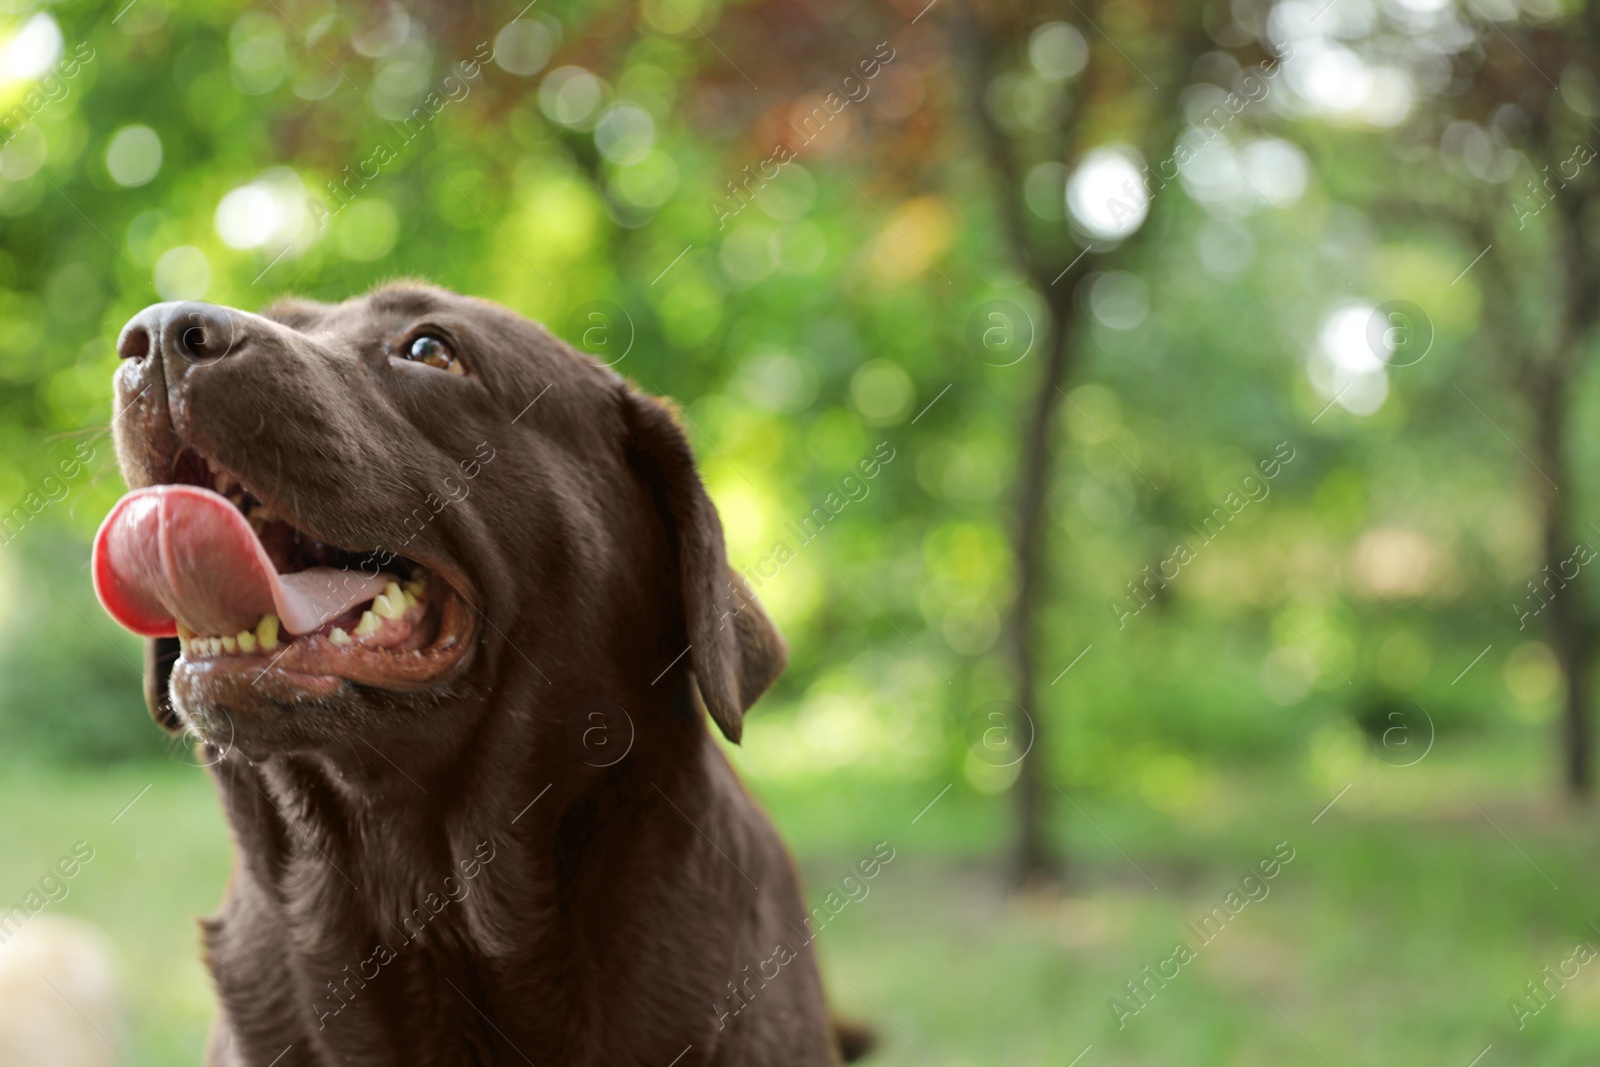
345	516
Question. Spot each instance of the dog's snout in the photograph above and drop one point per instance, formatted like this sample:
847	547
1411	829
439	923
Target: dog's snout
182	334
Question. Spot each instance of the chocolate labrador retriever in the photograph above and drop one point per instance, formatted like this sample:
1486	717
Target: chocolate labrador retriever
444	603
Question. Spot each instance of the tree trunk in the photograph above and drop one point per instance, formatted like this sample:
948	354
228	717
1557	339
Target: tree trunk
1566	620
1578	727
1546	380
1035	858
1571	625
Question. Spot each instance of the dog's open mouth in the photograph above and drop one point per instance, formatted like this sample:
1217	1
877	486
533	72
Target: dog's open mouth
203	559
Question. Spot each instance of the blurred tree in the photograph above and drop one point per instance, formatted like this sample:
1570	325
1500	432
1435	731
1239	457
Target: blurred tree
1515	131
1087	94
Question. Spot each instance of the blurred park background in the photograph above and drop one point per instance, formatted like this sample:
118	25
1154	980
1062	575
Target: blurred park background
1233	363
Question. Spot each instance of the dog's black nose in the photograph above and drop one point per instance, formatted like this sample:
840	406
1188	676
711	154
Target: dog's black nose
182	333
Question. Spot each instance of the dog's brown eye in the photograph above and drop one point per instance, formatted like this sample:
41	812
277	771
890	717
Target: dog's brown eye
435	352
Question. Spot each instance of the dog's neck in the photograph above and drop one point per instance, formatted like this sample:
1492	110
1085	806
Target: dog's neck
365	863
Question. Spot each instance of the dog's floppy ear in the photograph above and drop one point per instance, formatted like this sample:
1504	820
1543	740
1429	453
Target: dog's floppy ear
734	650
160	653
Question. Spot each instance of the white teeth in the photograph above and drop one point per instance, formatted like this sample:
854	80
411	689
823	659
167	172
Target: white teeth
392	603
263	638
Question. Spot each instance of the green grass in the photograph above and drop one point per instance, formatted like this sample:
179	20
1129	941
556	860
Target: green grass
1397	935
158	867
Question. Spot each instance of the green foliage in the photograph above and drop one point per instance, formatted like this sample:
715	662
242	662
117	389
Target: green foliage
829	317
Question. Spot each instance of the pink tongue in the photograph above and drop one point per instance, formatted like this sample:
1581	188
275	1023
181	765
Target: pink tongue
180	552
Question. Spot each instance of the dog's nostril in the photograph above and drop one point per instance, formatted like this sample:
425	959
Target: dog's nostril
200	336
135	344
193	341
